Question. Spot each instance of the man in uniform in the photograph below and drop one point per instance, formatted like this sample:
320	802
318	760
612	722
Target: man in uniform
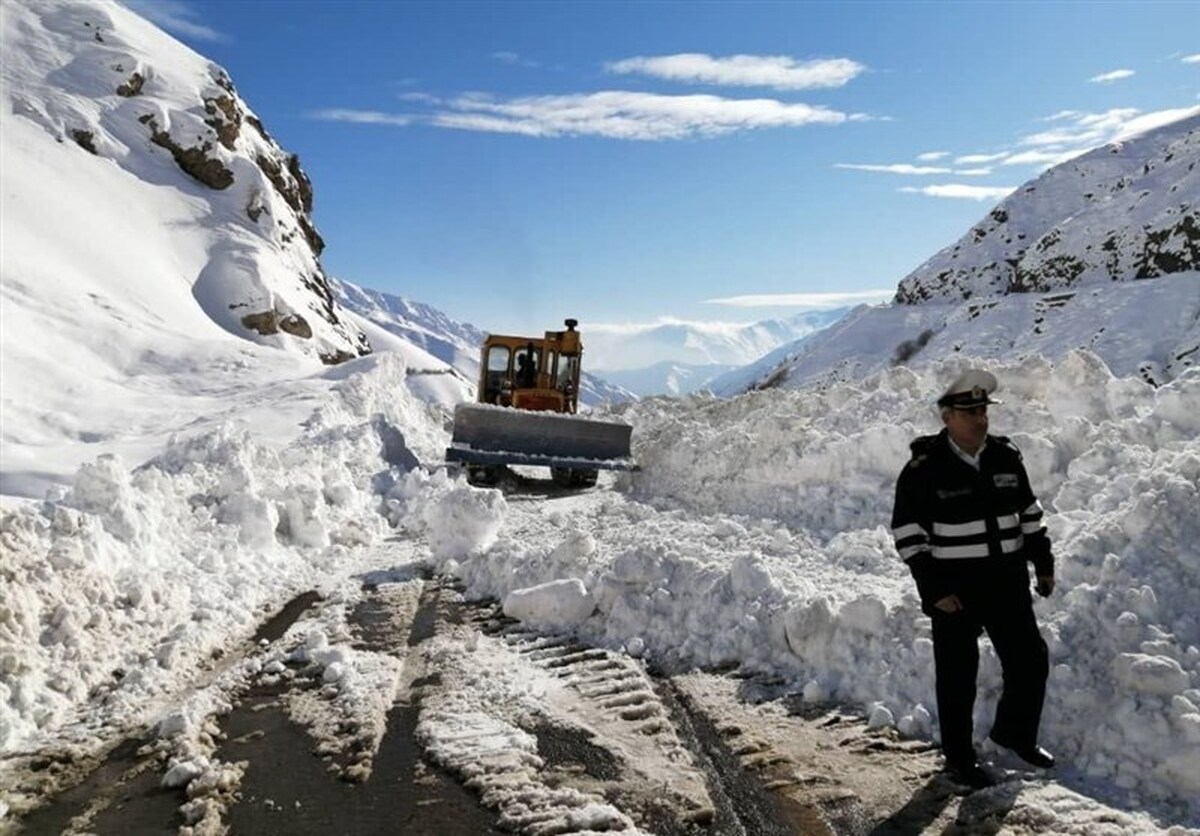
966	521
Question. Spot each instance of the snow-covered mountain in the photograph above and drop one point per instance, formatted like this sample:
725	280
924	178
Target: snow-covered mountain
679	357
1101	252
453	342
152	229
1126	211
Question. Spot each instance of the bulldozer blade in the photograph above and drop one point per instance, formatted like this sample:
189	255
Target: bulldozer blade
465	455
485	434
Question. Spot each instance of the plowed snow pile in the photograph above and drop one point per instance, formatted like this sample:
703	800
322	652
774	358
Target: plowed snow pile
757	533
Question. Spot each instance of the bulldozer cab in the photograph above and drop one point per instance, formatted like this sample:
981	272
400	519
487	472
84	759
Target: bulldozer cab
530	373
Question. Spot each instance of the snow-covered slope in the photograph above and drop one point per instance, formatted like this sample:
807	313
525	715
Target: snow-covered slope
1150	328
1128	210
159	269
1101	252
453	342
758	373
103	104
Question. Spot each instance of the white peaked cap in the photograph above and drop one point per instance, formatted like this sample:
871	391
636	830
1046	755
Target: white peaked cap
974	387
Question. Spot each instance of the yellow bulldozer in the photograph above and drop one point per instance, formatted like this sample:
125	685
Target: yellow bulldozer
526	414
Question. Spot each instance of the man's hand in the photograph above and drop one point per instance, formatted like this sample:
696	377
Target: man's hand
951	604
1045	585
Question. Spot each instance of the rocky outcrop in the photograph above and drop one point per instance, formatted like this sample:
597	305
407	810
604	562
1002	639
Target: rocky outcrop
294	187
216	161
272	322
194	161
1127	211
169	117
85	140
132	87
225	118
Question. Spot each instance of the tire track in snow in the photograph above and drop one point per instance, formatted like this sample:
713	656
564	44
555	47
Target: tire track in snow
367	773
562	737
116	787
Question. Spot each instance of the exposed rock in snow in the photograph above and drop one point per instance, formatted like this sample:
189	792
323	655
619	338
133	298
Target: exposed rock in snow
1128	210
156	118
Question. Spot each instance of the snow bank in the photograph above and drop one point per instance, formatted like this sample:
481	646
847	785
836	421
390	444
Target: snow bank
122	581
756	534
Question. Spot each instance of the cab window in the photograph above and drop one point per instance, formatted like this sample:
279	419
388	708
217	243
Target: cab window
567	365
498	357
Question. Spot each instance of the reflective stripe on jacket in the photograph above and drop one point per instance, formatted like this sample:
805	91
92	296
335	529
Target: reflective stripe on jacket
946	512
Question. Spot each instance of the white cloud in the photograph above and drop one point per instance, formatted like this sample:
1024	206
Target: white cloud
972	172
1191	59
1044	157
975	159
932	156
175	17
362	117
804	300
1110	77
960	190
778	71
620	114
1150	121
895	168
1085	128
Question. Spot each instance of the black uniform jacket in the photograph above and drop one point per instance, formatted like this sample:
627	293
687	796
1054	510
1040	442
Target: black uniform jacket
960	529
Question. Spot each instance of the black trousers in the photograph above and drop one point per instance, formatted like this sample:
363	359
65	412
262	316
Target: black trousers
1012	628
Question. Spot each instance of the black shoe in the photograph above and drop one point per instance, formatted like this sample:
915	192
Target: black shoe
969	773
1032	754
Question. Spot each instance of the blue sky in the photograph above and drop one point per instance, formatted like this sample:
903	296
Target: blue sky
515	163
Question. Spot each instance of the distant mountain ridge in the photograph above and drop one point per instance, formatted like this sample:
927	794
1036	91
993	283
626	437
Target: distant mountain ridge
667	378
455	343
676	358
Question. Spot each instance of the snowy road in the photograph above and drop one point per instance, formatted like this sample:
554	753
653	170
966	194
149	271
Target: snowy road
394	704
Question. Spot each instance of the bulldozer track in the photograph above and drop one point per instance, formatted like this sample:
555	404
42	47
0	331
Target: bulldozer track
494	726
